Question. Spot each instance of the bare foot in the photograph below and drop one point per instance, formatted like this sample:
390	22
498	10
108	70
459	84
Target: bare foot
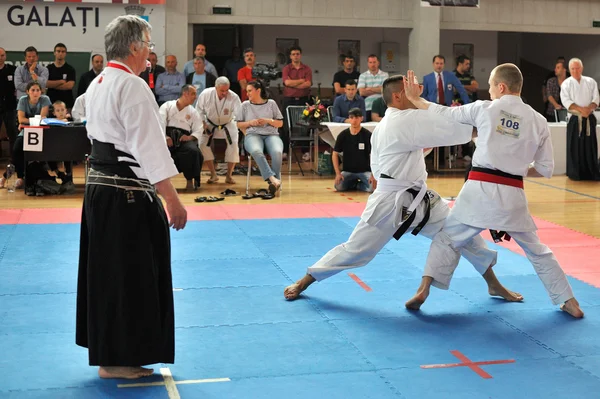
213	179
508	295
416	301
420	297
293	291
572	308
190	185
129	373
229	180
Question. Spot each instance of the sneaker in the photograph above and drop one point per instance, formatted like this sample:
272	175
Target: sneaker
306	157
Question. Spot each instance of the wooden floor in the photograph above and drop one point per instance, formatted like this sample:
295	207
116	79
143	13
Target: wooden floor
572	204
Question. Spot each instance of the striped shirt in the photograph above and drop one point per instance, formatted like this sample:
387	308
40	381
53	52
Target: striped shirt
367	79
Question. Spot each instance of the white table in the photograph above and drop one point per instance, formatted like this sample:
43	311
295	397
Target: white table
558	135
335	128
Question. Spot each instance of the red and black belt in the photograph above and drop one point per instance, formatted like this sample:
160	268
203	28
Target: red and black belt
498	177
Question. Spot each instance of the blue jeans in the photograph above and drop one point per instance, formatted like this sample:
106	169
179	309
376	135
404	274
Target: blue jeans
353	181
255	145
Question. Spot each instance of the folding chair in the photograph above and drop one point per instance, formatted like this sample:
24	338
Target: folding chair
560	115
330	113
248	174
297	134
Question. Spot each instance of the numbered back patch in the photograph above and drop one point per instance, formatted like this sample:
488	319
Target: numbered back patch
508	124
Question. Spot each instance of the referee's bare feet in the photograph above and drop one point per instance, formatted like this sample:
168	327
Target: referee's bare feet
293	291
129	373
572	308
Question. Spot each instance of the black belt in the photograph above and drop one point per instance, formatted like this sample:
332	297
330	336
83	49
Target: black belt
175	134
404	226
215	127
105	159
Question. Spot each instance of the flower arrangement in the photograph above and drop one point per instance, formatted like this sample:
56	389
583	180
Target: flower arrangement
316	112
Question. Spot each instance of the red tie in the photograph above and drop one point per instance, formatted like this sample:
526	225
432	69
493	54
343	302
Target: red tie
441	90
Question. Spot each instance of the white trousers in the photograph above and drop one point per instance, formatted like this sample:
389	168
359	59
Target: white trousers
232	153
444	255
366	241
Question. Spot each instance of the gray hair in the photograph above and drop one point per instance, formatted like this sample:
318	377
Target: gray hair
186	89
575	60
121	33
200	59
222	81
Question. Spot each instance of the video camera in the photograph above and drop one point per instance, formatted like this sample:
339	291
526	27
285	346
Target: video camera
266	72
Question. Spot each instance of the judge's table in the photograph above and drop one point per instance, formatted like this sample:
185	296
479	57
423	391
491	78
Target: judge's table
558	135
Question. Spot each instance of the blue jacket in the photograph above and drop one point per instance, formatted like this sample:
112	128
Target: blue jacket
451	82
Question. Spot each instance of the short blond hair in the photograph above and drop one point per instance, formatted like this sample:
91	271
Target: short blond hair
510	75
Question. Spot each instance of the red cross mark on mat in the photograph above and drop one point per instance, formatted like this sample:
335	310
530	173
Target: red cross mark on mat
466	362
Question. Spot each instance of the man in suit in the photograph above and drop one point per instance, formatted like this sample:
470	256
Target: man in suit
439	86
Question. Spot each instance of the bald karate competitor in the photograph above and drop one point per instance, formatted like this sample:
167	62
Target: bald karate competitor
402	200
511	137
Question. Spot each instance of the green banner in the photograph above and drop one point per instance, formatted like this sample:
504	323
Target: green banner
78	60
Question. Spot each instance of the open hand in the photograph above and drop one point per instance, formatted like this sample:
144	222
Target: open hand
412	87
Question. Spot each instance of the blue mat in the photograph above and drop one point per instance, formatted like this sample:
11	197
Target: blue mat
337	341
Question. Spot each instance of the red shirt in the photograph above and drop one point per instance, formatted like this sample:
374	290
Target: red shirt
245	73
289	72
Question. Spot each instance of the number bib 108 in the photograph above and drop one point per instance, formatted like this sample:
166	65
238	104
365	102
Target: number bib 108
509	124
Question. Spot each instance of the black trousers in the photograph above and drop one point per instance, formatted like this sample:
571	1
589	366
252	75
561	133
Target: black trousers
125	314
582	149
188	159
9	119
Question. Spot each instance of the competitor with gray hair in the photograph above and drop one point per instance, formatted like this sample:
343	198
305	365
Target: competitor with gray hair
125	313
217	107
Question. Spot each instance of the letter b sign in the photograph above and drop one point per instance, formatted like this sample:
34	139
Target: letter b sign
33	139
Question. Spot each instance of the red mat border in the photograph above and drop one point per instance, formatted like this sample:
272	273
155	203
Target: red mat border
576	252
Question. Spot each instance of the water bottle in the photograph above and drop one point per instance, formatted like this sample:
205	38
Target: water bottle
11	180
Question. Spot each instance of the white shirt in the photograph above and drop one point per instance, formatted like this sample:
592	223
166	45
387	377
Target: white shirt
221	112
581	93
121	110
511	135
186	119
397	150
78	111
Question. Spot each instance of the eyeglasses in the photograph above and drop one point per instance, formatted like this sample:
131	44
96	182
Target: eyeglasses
150	45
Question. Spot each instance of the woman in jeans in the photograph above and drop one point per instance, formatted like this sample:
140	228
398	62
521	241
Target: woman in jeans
259	118
30	105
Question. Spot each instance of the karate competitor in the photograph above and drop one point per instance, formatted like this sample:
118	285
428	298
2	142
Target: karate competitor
217	107
78	111
124	291
183	128
401	200
579	95
511	135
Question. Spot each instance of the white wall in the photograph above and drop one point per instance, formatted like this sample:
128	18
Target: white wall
485	49
564	16
74	35
381	13
543	49
320	46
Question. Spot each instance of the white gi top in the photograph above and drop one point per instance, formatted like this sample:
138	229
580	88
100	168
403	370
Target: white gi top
78	111
511	135
579	93
186	119
397	151
221	112
121	110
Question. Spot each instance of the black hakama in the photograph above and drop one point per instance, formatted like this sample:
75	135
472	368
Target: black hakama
125	314
582	149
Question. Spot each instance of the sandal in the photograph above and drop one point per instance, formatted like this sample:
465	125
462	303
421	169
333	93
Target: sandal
200	199
214	199
229	193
